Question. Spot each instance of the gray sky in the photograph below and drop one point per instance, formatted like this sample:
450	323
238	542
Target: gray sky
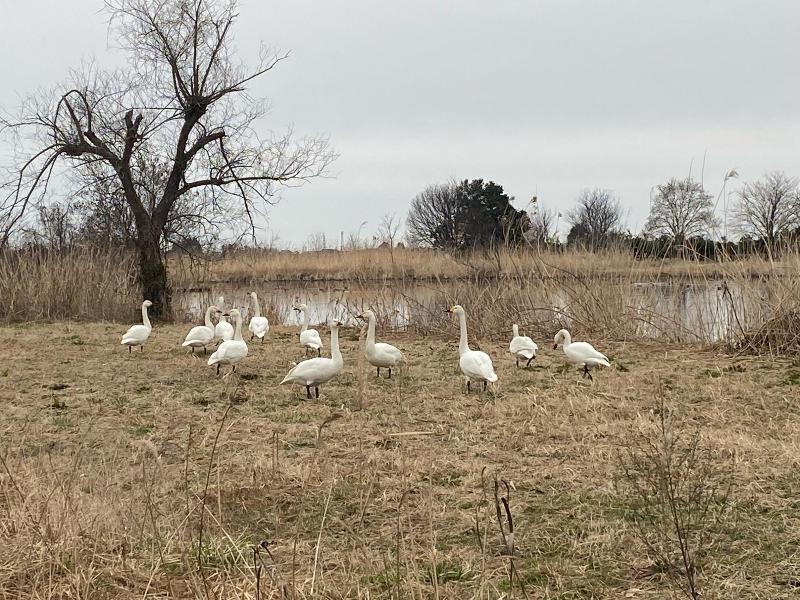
541	97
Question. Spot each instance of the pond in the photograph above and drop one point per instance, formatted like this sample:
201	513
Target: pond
706	311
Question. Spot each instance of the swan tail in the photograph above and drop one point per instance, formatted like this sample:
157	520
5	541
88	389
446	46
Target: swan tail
526	353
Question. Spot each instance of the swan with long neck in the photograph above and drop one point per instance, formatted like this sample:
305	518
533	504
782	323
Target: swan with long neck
137	335
379	355
202	335
522	346
309	338
316	371
476	365
581	354
232	351
259	326
223	330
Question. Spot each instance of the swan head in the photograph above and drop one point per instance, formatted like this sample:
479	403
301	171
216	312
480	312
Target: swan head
147	304
233	314
456	310
367	314
253	295
299	307
560	337
334	324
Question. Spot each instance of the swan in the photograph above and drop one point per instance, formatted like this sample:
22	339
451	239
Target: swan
379	354
223	329
259	326
202	335
522	346
230	351
309	338
582	354
474	363
137	335
316	371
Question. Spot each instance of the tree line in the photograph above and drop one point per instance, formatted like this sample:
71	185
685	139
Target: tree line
682	219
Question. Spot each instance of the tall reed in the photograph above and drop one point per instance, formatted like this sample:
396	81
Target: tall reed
38	285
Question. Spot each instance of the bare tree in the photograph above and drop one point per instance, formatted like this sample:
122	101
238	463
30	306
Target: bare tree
596	218
681	209
543	226
182	102
389	229
433	219
768	209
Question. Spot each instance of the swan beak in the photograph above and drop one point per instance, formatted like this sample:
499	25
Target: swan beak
555	346
226	314
447	310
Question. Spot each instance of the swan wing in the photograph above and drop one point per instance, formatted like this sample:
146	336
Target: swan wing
137	334
310	337
584	353
524	346
230	351
259	326
311	372
223	330
199	336
388	354
477	365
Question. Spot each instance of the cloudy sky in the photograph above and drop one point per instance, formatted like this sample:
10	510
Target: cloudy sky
543	97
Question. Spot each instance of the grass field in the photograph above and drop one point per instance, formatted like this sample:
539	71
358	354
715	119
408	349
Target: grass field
143	476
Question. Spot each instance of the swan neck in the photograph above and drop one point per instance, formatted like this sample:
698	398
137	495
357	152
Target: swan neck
257	307
335	354
371	332
463	346
567	339
515	330
238	333
305	321
145	318
209	324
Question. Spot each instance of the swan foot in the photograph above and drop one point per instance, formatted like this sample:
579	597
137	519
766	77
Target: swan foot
586	373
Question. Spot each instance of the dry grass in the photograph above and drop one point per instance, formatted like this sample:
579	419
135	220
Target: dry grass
247	266
107	468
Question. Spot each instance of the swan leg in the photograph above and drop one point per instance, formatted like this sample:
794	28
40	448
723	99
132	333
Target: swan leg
319	351
308	392
234	369
129	350
252	335
518	363
528	364
379	372
192	350
316	391
217	368
141	348
484	385
390	372
586	373
468	386
204	350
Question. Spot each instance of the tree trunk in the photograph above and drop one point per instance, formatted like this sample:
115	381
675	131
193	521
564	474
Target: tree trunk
153	276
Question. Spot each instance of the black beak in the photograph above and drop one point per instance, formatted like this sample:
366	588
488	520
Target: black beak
555	346
447	310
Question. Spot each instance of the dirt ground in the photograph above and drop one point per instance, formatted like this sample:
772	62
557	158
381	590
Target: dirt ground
144	475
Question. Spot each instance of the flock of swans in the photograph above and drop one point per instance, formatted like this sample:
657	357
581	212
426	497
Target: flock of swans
231	349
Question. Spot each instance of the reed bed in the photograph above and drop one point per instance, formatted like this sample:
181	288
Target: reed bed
85	283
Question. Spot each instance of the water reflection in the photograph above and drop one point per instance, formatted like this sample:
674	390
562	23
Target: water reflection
707	311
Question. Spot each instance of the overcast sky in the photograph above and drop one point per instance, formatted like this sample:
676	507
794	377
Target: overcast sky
543	98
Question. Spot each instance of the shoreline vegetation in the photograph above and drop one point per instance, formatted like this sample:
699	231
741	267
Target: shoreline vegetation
755	301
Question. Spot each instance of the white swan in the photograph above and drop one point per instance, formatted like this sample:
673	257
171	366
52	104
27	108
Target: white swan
137	335
230	351
259	326
581	354
522	346
309	338
474	364
379	354
223	329
202	335
316	371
